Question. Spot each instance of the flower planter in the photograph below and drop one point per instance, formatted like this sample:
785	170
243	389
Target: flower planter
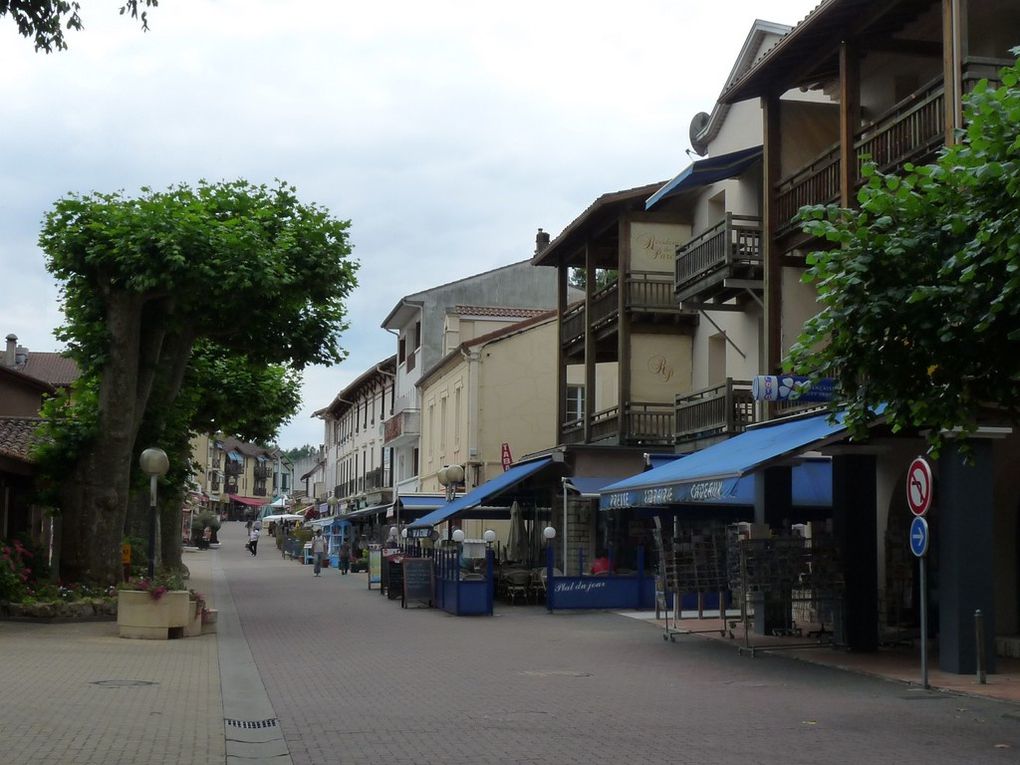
141	616
209	621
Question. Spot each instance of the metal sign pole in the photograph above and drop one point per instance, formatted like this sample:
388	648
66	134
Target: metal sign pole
922	562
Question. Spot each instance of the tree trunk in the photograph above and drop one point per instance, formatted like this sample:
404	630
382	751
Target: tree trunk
95	498
170	519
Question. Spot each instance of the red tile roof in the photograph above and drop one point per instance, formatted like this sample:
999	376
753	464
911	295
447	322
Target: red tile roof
495	310
17	436
50	367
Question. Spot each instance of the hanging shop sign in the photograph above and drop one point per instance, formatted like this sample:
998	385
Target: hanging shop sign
792	388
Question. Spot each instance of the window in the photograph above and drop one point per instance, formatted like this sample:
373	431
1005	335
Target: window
414	461
365	416
456	418
575	402
401	349
442	426
432	432
417	335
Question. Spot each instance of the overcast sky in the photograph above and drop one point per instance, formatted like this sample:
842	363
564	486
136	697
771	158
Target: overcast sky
447	132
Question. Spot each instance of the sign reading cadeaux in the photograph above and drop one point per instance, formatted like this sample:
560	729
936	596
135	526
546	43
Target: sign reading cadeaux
685	493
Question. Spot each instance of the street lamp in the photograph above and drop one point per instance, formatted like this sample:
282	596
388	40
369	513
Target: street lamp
450	477
458	535
153	463
489	536
332	502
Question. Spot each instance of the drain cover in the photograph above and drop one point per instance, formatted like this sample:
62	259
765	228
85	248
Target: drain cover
271	723
555	673
123	683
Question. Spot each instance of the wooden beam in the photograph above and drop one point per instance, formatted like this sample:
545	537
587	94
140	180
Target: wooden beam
623	321
589	342
849	120
770	252
921	48
561	357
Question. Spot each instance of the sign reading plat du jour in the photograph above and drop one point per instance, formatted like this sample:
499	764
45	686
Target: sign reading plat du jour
653	245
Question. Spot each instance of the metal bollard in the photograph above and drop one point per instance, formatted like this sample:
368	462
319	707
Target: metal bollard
979	634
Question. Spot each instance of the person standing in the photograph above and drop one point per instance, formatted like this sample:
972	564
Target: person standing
345	557
318	550
253	540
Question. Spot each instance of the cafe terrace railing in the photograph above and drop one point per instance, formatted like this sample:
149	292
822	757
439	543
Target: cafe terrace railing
633	591
650	291
459	592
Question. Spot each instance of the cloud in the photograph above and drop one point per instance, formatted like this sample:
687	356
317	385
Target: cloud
446	132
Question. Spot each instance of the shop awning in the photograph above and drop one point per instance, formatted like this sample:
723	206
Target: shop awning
479	494
367	512
235	456
713	474
250	501
706	171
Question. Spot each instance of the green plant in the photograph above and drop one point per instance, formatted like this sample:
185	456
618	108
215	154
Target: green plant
157	586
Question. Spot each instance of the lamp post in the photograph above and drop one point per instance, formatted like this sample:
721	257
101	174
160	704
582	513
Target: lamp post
450	477
549	533
332	502
153	463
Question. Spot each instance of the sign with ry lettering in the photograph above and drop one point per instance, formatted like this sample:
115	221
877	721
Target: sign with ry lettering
417	581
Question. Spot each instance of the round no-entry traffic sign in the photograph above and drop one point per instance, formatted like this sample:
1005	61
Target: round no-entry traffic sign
919	536
919	486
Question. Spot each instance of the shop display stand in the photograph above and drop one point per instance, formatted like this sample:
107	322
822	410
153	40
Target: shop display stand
805	571
692	560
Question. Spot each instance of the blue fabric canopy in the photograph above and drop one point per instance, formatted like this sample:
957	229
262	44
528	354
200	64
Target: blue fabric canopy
422	501
706	171
590	485
479	494
235	456
713	474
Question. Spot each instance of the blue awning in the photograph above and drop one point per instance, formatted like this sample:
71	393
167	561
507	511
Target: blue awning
422	501
235	456
713	474
706	171
479	494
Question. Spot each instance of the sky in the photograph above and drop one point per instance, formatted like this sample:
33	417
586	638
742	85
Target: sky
446	132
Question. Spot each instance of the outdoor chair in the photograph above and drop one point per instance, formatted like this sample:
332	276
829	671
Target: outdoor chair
518	581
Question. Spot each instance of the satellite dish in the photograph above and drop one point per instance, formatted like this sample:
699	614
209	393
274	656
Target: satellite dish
698	125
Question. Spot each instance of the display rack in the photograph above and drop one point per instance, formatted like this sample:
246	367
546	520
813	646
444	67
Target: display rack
692	560
792	572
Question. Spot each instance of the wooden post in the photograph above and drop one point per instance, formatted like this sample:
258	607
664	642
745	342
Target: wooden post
589	340
849	119
772	257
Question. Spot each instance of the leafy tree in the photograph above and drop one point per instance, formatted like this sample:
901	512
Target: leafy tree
300	452
603	278
148	281
44	20
921	294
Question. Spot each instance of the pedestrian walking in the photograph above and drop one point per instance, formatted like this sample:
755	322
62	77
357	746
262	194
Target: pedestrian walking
318	550
253	540
345	557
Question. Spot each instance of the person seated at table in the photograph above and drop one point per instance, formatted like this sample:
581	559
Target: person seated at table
601	563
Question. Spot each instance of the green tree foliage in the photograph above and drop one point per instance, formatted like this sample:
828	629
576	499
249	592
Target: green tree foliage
44	21
921	291
603	278
186	309
300	452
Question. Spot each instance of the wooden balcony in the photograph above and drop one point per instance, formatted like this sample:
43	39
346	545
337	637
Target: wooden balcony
233	468
721	410
648	297
645	423
263	471
911	131
374	479
721	262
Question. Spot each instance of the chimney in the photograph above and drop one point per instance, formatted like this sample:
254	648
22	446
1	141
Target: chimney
20	356
541	241
11	352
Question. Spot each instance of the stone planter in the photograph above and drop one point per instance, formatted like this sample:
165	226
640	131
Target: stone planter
140	616
209	621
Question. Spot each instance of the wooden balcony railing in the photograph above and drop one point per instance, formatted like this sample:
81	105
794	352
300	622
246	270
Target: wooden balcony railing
374	479
645	291
263	471
910	131
649	423
605	424
650	291
735	240
233	468
572	324
719	410
572	432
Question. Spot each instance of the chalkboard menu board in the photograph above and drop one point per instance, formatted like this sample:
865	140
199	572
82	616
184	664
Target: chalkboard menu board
394	577
417	581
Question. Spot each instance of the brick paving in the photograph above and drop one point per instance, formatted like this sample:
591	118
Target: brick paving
68	695
355	678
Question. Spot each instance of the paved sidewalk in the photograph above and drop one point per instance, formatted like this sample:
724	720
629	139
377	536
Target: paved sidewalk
77	694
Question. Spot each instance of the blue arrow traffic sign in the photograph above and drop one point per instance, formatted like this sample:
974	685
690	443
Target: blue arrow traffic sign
919	536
